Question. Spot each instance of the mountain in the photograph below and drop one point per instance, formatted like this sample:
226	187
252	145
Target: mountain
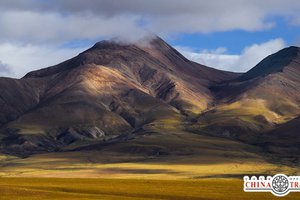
258	100
146	100
288	57
110	89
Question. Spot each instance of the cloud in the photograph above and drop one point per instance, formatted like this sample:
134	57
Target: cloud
35	27
249	57
17	59
4	69
20	59
33	32
61	20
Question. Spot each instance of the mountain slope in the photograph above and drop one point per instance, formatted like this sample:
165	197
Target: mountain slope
104	92
266	95
274	63
162	71
144	101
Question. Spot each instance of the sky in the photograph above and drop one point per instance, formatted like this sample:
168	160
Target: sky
231	35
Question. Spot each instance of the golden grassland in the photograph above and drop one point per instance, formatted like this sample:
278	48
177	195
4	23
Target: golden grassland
57	188
247	110
47	166
36	177
192	156
195	156
174	178
198	167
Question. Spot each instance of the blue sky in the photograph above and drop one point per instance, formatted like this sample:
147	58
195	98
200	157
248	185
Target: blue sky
236	40
229	35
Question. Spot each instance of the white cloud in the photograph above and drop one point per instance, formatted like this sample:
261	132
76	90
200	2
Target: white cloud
256	52
36	27
4	68
61	20
17	60
249	57
32	32
20	59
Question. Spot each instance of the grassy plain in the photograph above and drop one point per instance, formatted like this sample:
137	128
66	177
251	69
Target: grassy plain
36	178
168	165
133	189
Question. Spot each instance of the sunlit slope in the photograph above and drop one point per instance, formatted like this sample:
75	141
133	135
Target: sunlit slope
127	189
153	155
267	95
111	89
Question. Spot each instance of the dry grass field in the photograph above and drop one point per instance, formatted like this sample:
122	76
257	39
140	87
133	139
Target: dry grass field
36	177
55	188
188	166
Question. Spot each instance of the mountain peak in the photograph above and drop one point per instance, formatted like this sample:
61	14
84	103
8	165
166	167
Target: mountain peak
104	44
119	42
274	63
132	58
116	51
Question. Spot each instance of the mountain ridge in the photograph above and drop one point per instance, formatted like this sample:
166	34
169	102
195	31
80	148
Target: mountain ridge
273	63
114	92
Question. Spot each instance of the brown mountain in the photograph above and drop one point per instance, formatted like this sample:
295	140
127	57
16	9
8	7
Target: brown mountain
108	90
147	99
283	140
266	95
288	57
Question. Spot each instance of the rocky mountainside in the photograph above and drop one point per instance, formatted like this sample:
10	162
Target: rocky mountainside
116	92
258	100
110	89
